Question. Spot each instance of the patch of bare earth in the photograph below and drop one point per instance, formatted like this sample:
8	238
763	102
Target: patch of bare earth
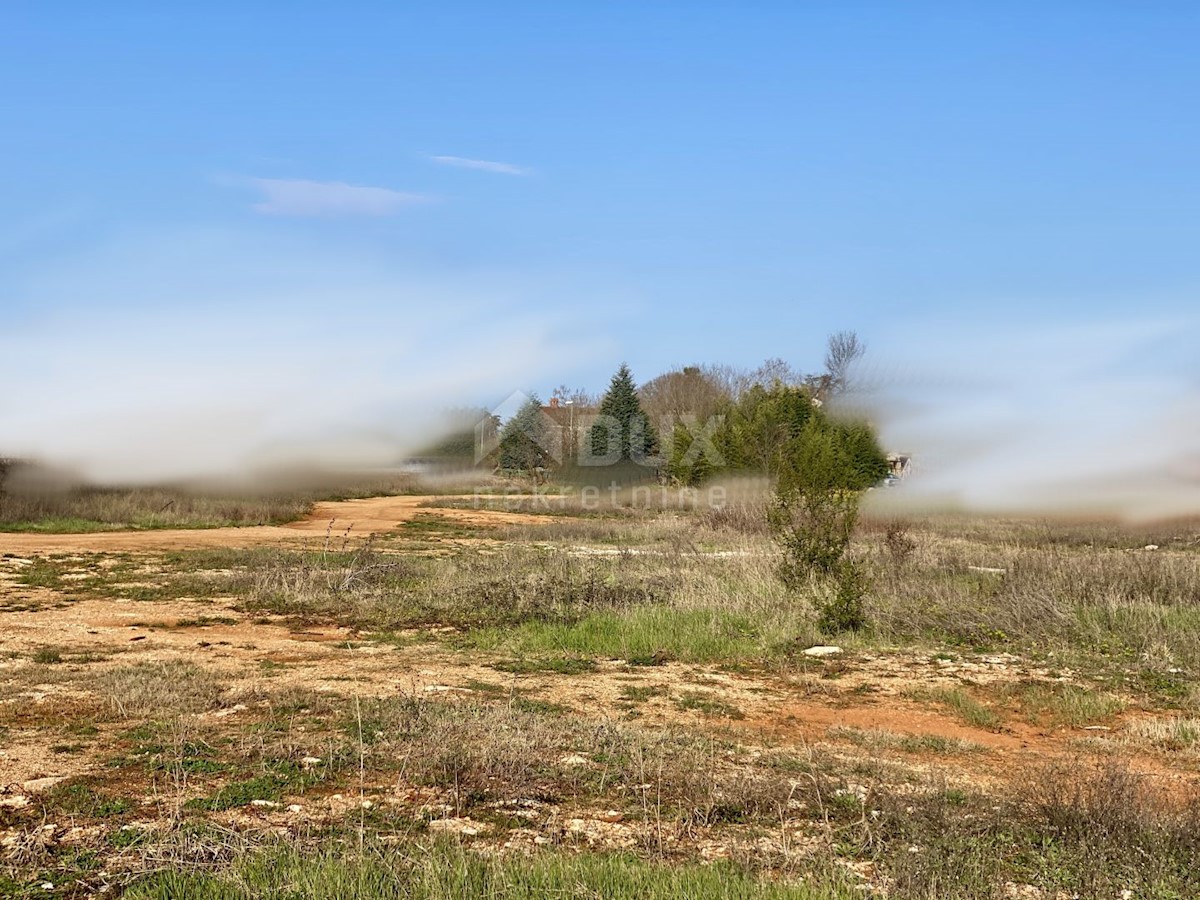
59	722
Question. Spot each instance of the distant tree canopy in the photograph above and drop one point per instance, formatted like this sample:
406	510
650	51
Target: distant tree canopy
691	391
623	429
524	438
780	431
843	349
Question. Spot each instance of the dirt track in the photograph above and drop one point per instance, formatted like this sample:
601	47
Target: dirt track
373	516
870	696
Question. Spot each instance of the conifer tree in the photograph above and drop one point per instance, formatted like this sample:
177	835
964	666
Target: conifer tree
524	439
621	412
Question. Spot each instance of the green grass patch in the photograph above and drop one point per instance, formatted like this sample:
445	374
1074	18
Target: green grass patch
81	798
1065	705
708	705
640	693
281	778
446	870
966	707
637	634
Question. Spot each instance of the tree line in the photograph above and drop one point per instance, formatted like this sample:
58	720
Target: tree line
688	425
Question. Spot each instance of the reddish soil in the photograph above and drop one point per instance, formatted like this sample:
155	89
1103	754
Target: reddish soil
373	516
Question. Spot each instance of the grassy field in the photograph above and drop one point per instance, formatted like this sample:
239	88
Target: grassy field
68	509
610	704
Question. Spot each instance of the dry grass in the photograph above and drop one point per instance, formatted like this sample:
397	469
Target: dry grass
40	502
652	585
1063	592
1173	734
158	689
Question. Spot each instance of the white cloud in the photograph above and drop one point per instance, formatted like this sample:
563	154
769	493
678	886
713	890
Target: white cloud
482	165
299	197
1046	418
195	353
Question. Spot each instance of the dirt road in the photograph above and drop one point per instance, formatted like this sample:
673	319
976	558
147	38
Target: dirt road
372	516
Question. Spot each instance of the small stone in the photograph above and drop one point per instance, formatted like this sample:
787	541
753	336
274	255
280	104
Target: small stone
821	650
311	761
611	816
295	808
1150	547
40	784
461	825
266	804
574	759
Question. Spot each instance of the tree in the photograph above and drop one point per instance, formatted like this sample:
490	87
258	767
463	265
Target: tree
690	391
524	439
842	351
623	430
812	518
569	396
749	436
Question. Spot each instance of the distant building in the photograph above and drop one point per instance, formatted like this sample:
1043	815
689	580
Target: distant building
900	464
571	423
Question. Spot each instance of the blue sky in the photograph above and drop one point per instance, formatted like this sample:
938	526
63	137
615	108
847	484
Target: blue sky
660	183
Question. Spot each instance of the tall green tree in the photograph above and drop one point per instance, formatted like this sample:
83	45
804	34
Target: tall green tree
524	439
622	428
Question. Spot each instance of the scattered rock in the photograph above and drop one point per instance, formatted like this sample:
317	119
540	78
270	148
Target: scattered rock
460	825
822	650
41	784
1014	891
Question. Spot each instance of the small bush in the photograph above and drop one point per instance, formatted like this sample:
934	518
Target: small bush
844	610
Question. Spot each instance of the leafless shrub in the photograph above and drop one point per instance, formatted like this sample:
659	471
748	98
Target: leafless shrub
749	517
898	541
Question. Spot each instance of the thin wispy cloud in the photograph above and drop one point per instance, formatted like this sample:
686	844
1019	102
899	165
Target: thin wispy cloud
300	197
481	165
